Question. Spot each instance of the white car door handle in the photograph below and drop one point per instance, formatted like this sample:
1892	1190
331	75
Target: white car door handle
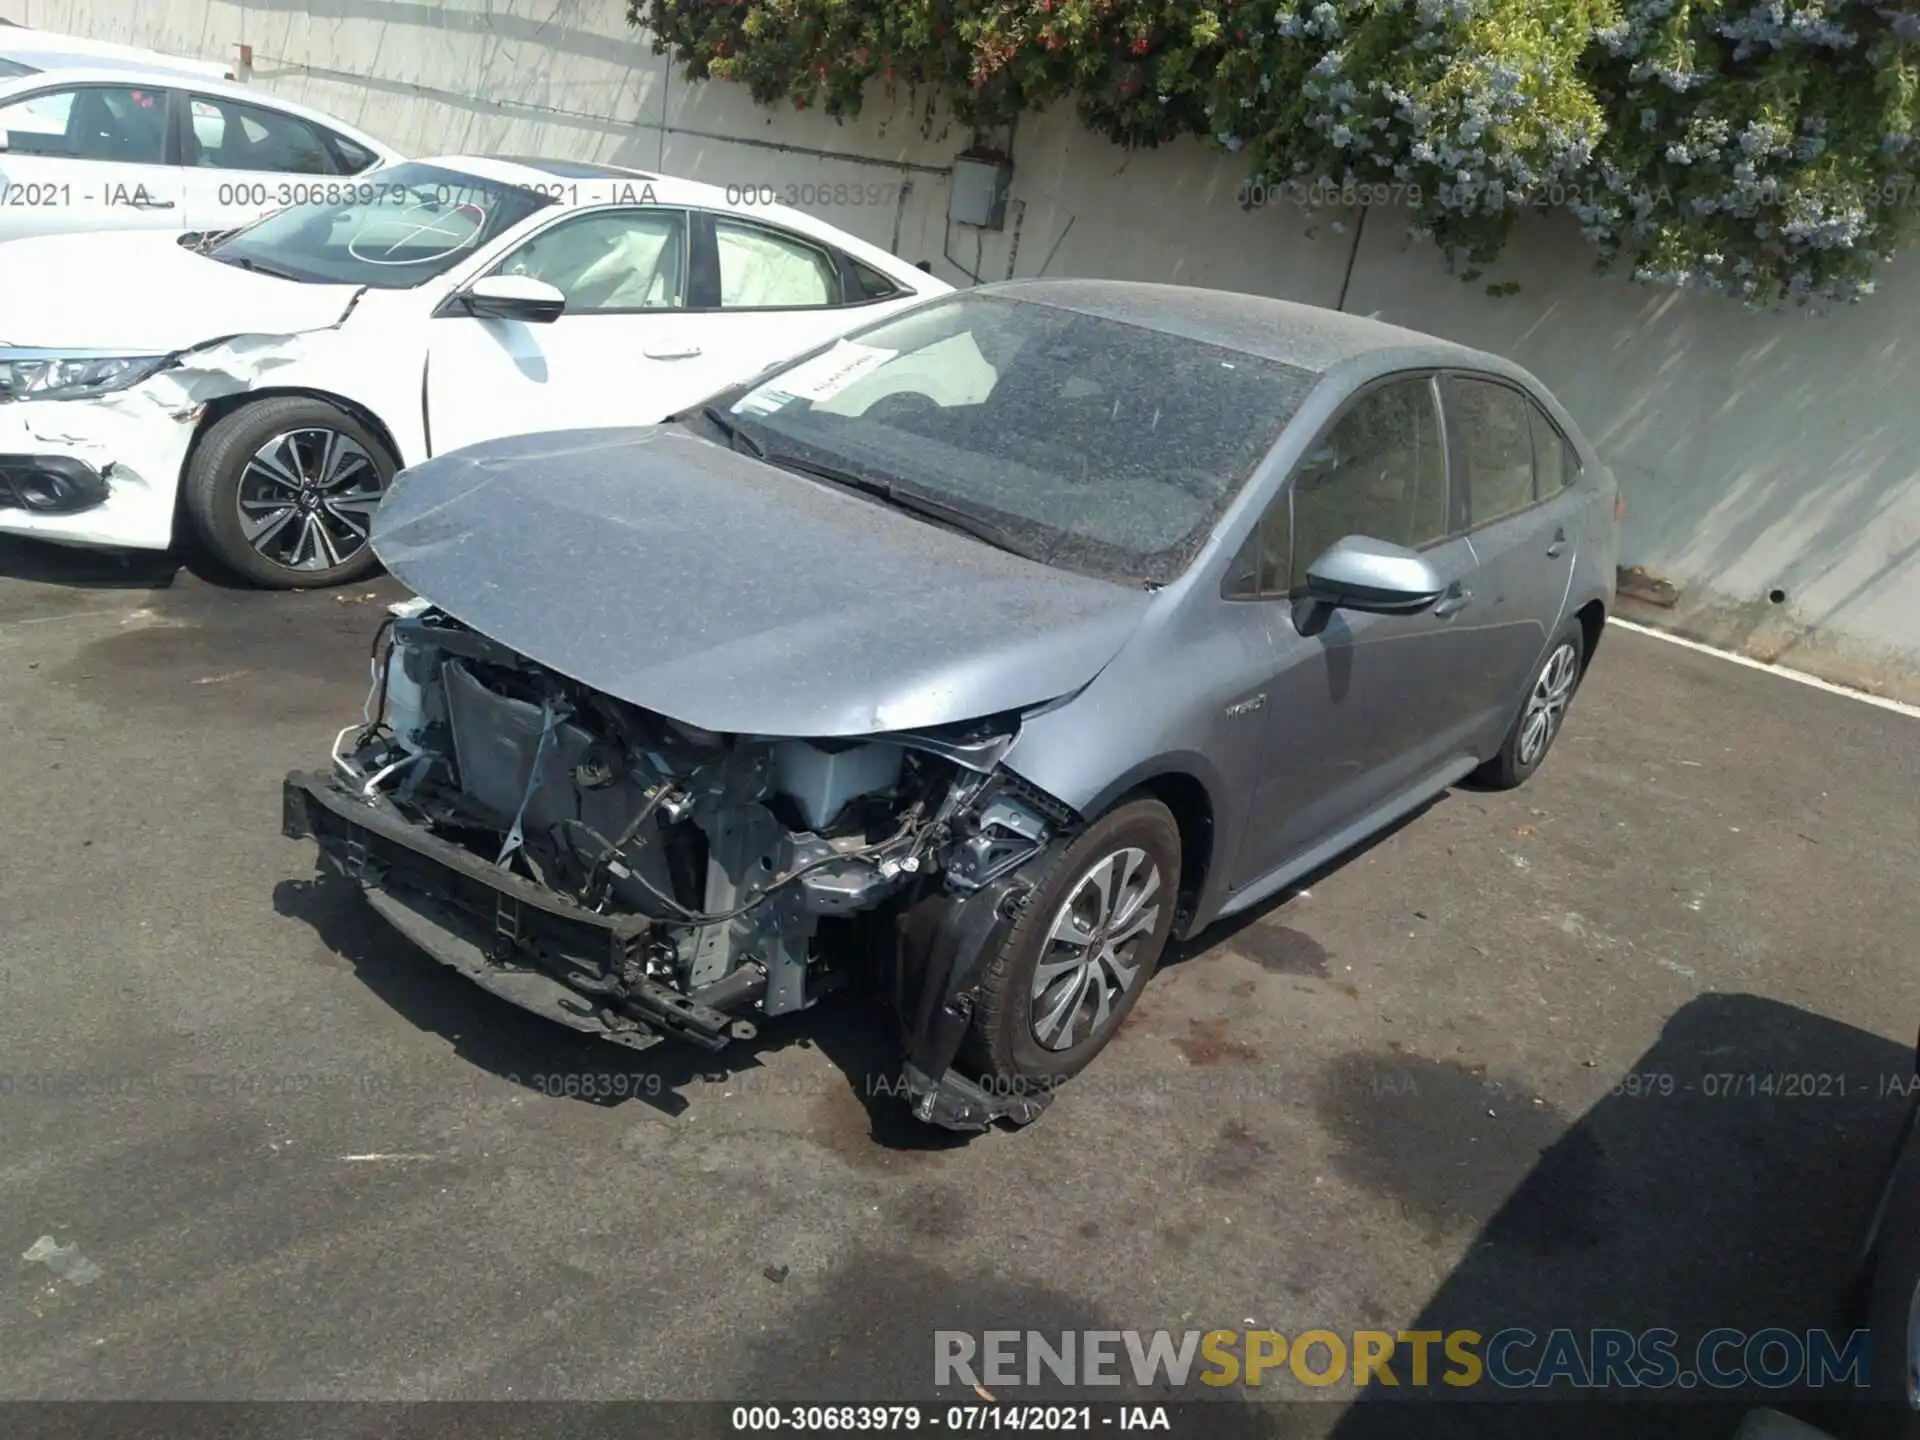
150	204
671	350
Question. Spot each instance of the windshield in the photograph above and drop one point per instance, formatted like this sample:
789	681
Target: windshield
392	228
1103	447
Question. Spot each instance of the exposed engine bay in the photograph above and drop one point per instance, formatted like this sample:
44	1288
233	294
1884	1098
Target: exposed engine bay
637	878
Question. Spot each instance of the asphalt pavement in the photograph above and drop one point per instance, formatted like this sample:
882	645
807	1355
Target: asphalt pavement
293	1159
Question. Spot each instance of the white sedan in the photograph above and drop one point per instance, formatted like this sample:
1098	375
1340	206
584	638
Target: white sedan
267	384
109	145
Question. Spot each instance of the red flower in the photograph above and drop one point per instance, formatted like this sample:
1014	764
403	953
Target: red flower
1140	46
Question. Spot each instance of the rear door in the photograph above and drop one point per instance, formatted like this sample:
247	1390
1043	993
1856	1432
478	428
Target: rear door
772	293
1523	523
87	156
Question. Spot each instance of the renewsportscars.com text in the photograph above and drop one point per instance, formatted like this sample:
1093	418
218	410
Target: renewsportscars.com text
1512	1359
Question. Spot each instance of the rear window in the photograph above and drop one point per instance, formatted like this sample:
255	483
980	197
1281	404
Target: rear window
10	68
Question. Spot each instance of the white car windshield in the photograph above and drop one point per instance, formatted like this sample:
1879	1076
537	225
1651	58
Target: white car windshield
391	229
1105	447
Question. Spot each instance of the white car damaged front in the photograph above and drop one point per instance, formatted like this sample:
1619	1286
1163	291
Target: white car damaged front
118	352
265	385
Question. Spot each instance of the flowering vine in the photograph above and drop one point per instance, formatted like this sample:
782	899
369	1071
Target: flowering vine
1760	148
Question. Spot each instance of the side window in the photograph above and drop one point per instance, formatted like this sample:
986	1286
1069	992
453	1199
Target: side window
873	285
1555	464
616	260
767	269
1381	472
228	135
1492	438
127	124
353	157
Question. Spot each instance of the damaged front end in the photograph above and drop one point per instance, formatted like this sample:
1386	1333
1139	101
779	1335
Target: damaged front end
636	878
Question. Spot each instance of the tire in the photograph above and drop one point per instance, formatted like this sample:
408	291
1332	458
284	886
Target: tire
335	469
1892	1310
1550	689
1006	1041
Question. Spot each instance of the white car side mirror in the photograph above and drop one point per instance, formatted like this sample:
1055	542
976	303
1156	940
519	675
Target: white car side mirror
514	297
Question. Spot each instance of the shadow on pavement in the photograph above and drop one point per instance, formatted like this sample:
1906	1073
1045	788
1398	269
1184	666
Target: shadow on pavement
87	569
855	1032
1724	1183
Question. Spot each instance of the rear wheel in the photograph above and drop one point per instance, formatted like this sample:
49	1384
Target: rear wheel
282	492
1084	947
1544	710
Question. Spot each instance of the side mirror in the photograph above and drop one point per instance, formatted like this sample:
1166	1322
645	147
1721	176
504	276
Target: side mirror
514	297
1360	573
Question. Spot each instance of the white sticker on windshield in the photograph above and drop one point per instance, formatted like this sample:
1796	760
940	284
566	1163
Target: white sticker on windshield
820	378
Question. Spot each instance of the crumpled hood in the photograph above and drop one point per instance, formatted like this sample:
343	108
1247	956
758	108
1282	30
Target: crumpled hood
143	292
694	581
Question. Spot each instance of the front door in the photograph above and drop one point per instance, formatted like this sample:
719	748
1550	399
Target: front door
1360	707
87	157
626	352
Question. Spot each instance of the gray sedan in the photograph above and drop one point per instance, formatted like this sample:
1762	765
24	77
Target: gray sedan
974	657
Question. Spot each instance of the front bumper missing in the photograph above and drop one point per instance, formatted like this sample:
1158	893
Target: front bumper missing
545	954
505	933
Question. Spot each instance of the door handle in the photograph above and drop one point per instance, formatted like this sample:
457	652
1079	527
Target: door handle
671	351
1453	602
150	204
1559	545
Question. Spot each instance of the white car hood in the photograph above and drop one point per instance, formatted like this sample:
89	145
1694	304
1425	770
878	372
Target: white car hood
145	293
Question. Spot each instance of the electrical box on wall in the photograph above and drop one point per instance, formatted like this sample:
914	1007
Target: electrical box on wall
979	195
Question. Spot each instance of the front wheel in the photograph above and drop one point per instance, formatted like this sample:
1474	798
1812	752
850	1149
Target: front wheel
282	492
1082	950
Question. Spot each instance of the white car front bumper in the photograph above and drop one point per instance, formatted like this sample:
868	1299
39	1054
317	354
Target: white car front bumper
94	472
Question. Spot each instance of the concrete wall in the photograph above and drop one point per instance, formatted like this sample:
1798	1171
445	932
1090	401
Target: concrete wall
1769	461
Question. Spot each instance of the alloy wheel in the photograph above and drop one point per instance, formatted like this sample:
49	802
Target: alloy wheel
307	498
1547	705
1091	959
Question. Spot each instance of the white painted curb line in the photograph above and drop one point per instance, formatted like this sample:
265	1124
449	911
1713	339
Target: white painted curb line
1899	707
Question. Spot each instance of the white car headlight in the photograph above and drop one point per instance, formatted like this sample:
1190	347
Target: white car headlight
50	375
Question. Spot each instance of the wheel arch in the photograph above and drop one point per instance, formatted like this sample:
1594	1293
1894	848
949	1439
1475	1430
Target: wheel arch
1178	783
1593	622
217	409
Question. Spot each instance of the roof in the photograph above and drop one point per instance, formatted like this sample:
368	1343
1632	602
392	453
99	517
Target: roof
1309	337
572	169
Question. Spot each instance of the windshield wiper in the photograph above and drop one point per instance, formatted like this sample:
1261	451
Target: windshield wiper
913	502
736	437
254	265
